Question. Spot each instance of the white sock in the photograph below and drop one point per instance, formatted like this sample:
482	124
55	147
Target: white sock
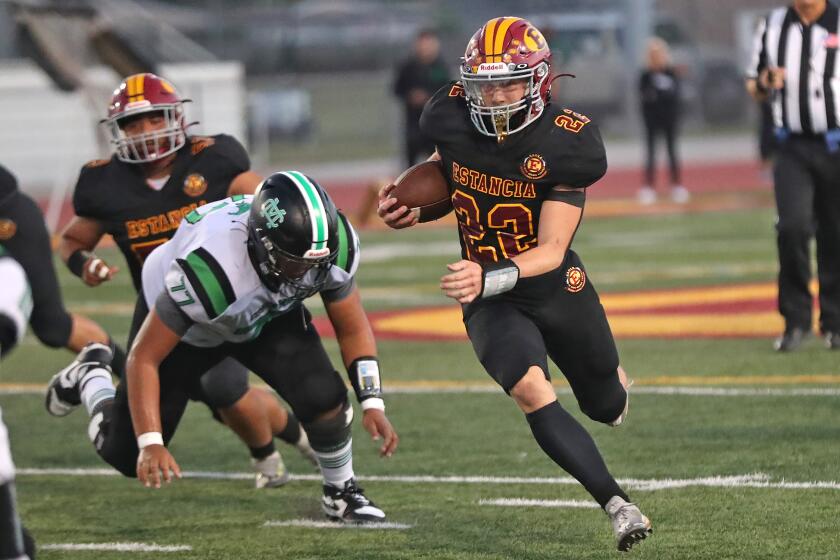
95	387
337	466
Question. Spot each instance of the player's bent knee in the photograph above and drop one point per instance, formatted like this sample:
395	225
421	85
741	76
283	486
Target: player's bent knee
224	394
53	335
605	408
533	390
329	432
125	463
318	396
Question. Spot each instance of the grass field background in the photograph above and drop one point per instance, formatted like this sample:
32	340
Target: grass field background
790	435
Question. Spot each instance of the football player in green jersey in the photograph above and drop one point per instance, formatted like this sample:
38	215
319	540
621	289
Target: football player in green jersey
231	283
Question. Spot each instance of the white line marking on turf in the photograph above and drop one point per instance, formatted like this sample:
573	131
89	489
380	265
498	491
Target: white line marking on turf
312	523
524	502
755	480
118	547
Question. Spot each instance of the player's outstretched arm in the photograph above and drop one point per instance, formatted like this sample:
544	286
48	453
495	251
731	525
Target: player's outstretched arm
358	351
154	342
76	246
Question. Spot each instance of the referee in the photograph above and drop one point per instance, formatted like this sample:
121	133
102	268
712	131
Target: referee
795	65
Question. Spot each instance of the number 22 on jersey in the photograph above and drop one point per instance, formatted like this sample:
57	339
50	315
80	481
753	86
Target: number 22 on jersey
506	231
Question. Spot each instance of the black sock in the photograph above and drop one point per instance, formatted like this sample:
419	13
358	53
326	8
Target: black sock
260	453
118	362
291	433
11	536
563	439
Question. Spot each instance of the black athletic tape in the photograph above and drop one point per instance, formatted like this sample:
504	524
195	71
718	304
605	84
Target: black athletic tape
77	260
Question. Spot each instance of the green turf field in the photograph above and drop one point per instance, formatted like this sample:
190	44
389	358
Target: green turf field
724	469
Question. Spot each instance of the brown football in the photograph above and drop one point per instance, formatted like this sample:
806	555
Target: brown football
423	188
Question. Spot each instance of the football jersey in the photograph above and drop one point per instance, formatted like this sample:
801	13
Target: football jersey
498	188
116	194
206	270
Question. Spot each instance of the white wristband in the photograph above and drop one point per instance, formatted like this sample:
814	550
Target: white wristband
149	438
373	402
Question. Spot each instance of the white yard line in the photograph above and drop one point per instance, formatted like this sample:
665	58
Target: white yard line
117	547
524	502
755	480
313	524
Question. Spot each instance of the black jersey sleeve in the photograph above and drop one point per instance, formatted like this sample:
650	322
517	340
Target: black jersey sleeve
88	191
228	148
444	115
579	158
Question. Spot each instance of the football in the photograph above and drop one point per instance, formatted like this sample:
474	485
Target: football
423	189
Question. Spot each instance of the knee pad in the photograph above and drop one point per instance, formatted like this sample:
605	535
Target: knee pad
331	433
224	384
316	395
606	407
53	331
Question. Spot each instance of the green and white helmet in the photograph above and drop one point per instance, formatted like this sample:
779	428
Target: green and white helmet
293	232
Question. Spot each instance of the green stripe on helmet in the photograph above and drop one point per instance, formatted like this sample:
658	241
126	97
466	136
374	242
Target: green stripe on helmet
319	212
343	244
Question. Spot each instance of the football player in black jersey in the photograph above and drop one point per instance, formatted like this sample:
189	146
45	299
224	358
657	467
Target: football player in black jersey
157	175
25	236
517	167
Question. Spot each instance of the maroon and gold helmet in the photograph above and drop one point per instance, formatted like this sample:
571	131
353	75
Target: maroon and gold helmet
502	51
141	94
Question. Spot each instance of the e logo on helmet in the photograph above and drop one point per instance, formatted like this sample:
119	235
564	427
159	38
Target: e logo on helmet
534	40
273	214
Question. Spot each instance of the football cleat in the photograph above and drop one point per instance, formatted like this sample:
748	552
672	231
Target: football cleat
791	339
271	471
629	524
349	504
63	393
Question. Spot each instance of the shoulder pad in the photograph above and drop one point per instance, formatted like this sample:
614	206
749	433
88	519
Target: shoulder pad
199	143
96	163
571	121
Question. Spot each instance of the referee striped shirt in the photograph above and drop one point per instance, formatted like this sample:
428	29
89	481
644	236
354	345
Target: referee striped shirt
809	103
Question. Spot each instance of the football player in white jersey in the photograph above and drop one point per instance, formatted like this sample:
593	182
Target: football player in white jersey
15	307
231	283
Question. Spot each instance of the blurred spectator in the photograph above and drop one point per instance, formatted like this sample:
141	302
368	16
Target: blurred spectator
659	88
418	77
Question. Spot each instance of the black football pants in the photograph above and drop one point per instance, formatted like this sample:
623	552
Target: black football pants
807	187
